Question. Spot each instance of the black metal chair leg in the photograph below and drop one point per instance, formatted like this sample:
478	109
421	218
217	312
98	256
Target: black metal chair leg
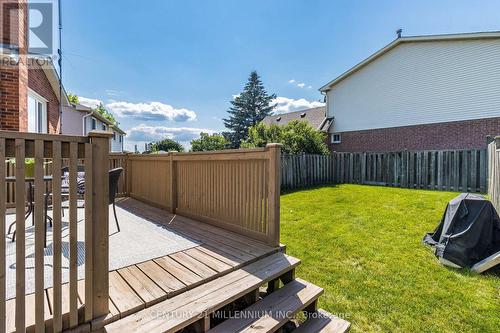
116	219
14	237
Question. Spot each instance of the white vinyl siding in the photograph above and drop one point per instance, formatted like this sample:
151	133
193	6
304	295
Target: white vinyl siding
420	83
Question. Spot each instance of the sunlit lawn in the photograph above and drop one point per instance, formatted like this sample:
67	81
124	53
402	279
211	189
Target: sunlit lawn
362	244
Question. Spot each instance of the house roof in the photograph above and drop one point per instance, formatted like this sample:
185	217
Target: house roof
410	39
315	116
53	78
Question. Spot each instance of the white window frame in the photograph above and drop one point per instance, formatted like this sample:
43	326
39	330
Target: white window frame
40	100
93	123
104	127
339	140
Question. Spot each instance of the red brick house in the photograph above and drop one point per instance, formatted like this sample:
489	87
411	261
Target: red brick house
29	85
418	93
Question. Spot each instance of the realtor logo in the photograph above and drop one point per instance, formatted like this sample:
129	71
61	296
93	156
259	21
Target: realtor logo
41	28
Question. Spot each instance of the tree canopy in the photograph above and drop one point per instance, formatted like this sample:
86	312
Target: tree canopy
247	110
73	99
165	145
296	137
105	113
207	142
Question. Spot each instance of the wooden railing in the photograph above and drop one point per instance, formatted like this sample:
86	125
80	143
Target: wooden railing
234	189
449	170
93	152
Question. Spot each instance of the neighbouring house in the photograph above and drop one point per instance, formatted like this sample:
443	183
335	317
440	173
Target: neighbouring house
79	119
423	92
316	117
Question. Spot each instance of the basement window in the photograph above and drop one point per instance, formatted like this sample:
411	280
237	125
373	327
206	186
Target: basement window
336	138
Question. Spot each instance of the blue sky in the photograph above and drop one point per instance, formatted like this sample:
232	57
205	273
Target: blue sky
170	68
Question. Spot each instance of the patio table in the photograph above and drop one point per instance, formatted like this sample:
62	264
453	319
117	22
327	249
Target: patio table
31	204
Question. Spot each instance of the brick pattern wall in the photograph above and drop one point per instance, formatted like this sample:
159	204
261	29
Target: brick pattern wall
468	134
38	82
14	79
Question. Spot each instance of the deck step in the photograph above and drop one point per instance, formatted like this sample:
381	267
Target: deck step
274	310
182	310
322	321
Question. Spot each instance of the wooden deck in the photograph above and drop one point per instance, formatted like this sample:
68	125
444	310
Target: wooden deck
147	283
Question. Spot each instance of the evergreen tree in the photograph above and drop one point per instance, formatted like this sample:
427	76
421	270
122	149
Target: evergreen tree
247	110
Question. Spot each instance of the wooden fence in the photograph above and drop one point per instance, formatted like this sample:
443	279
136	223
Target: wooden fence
234	189
494	172
93	152
450	170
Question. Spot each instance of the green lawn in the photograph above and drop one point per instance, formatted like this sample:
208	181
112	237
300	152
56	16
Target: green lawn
362	244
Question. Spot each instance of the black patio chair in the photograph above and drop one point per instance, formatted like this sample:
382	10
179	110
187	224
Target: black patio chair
114	177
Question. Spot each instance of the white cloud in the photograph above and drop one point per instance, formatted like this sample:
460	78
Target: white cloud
145	133
299	84
285	104
90	102
153	111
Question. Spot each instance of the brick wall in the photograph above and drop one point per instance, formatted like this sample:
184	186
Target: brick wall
38	82
468	134
14	78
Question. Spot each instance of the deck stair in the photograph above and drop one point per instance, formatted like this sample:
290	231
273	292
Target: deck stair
274	310
322	321
195	309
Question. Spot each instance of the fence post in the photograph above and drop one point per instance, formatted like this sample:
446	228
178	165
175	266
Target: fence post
128	174
173	183
100	226
274	150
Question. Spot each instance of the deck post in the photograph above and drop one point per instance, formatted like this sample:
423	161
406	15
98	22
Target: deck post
100	222
274	150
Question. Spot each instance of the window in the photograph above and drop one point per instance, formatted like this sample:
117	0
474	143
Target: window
114	136
94	123
336	138
120	137
104	127
37	113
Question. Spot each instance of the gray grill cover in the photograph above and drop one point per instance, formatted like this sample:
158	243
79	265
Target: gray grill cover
469	231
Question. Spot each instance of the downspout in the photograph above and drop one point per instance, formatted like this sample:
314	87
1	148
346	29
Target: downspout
60	70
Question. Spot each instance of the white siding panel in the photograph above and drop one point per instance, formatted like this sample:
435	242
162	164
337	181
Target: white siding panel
420	83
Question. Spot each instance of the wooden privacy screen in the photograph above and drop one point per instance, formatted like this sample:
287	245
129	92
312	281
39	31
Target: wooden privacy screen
234	189
149	179
450	170
33	310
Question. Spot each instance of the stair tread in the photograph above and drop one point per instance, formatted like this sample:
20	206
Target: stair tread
323	322
188	307
274	310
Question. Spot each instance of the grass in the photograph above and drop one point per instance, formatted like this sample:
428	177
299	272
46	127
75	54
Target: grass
363	245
